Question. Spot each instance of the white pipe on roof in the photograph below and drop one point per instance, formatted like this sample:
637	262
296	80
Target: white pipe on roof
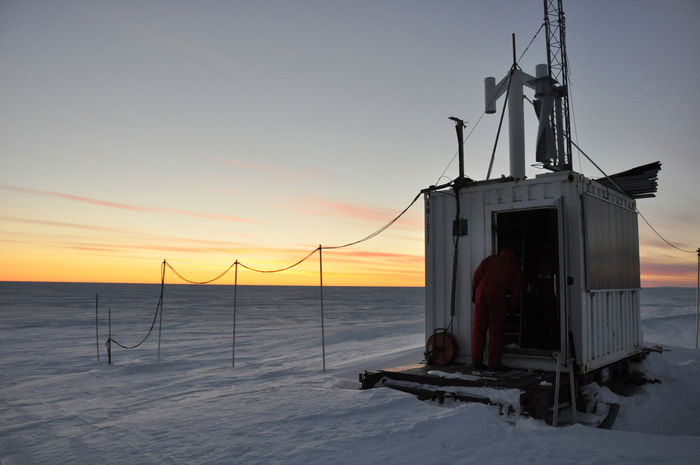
516	118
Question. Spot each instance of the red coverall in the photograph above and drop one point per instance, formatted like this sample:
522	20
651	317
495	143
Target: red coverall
496	277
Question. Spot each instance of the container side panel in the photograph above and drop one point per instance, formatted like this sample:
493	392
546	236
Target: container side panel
619	260
612	245
440	214
633	238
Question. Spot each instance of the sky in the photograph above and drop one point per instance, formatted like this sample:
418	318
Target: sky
202	133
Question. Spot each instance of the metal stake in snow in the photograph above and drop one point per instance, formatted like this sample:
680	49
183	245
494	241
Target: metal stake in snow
697	303
109	340
160	324
235	294
323	337
97	331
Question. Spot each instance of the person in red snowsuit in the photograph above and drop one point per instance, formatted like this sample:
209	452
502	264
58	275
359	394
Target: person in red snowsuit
495	278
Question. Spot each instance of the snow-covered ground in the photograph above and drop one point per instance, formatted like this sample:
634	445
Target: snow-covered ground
59	405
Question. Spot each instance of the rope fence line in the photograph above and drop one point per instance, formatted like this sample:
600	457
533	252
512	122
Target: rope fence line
199	282
281	269
159	310
235	265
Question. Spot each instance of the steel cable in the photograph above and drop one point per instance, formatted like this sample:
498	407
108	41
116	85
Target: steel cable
281	269
159	306
202	282
378	231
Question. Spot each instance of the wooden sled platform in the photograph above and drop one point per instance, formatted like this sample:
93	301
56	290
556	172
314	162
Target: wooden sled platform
463	382
535	390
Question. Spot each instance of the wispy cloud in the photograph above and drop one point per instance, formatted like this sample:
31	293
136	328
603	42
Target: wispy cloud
365	213
381	255
148	247
123	242
284	172
356	256
60	224
121	206
207	215
379	216
250	166
185	48
667	269
77	198
135	239
666	274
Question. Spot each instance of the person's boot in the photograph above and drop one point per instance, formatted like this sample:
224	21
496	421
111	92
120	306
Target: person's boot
500	367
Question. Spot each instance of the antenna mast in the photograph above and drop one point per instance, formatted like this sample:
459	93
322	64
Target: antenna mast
555	28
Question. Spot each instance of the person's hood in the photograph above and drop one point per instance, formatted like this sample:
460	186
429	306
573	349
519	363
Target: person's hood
508	254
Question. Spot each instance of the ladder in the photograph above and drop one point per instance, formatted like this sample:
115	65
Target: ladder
513	333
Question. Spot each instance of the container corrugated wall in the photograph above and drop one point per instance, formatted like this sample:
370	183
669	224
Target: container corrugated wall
440	211
614	327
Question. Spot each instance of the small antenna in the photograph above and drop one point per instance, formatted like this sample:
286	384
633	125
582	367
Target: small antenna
459	126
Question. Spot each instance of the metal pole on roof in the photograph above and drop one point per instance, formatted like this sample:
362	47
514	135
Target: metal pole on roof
459	126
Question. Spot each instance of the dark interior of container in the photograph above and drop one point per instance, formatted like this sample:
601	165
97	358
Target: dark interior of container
533	236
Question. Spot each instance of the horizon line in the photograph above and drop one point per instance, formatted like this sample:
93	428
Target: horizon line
267	285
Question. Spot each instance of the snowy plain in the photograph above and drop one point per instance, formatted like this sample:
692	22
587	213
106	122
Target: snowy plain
58	404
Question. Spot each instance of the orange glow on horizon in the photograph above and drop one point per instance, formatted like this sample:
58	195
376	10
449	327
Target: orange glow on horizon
337	271
673	274
82	254
363	268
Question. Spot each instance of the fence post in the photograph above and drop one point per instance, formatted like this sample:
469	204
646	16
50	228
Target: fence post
97	331
323	335
697	303
109	341
162	286
235	295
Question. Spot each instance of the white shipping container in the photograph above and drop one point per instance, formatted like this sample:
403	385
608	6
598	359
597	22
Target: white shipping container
578	245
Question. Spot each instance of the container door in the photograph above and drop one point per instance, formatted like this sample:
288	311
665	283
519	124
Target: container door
534	236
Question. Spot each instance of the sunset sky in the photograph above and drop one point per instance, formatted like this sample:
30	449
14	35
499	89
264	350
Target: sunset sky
208	132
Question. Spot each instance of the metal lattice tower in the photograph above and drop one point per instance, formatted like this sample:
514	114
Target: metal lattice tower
555	28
